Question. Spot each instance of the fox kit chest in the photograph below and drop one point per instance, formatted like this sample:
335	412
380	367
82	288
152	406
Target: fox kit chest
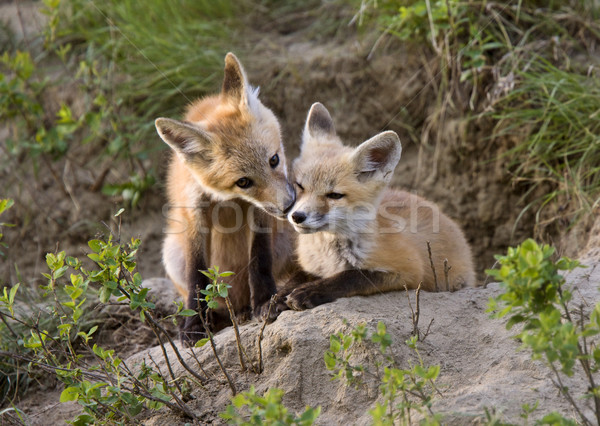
324	254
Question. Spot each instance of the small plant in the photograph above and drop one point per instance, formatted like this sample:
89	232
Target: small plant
108	389
266	410
404	391
216	288
536	296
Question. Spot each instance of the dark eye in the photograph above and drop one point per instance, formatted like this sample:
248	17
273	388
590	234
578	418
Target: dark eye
274	161
244	183
300	186
335	195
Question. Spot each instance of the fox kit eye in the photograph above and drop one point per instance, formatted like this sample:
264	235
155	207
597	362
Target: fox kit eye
300	186
335	195
244	183
274	161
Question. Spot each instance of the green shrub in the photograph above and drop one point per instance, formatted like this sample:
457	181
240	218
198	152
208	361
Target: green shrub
536	296
60	338
404	391
266	410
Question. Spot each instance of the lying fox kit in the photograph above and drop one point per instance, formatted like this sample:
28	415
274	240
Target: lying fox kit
227	170
357	236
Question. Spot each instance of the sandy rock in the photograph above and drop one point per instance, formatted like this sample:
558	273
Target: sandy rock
481	365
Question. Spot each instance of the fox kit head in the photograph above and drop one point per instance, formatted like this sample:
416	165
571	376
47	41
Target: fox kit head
231	143
339	188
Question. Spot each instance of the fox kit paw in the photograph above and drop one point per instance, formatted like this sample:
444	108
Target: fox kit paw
307	297
266	311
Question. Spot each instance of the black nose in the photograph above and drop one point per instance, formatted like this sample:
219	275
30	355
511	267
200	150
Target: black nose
298	217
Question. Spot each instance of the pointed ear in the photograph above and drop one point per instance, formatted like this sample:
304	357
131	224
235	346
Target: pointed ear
235	83
186	139
377	157
319	122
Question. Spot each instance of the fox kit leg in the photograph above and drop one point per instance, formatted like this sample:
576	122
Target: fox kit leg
261	281
192	330
353	282
198	242
295	281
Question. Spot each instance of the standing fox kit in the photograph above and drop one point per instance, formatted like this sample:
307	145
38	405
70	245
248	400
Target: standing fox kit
227	172
357	236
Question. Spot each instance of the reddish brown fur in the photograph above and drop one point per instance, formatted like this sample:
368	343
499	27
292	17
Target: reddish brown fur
212	220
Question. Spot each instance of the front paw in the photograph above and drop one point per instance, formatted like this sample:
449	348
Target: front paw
307	297
269	310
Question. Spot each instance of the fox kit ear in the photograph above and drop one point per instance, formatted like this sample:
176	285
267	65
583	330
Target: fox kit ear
186	140
235	83
377	157
319	122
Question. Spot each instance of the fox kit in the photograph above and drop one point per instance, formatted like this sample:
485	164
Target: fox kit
358	237
227	172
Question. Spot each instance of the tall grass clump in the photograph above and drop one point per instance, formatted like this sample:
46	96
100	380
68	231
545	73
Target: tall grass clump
521	69
556	113
165	52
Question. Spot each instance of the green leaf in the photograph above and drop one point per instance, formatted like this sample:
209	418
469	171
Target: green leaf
70	394
84	420
12	294
95	257
95	245
201	342
432	372
420	371
330	360
187	313
334	343
6	204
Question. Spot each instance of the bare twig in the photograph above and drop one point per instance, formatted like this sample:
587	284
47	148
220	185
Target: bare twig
199	363
428	328
585	364
412	311
214	349
212	343
155	324
143	389
179	401
260	334
582	360
415	313
435	282
565	391
237	332
15	335
446	270
166	357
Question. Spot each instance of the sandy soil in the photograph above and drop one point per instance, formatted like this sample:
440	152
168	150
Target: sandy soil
481	364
